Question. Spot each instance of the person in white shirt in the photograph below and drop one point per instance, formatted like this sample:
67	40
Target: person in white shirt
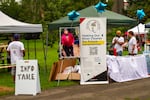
132	45
117	42
16	51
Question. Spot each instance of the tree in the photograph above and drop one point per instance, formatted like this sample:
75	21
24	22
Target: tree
45	11
134	5
11	8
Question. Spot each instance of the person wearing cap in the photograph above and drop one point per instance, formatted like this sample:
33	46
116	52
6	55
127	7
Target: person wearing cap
16	51
117	42
67	41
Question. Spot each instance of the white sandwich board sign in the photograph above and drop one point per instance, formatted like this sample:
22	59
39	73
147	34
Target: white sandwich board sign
27	77
93	50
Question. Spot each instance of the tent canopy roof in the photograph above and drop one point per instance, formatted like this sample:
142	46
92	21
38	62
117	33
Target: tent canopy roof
112	18
10	25
147	25
139	29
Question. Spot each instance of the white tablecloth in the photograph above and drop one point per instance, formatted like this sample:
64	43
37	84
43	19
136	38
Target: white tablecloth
126	68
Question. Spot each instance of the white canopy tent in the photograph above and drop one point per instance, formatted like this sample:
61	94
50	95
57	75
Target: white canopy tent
141	33
139	29
10	25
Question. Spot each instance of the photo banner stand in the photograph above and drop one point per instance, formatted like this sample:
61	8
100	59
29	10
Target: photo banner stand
27	78
60	71
60	49
93	50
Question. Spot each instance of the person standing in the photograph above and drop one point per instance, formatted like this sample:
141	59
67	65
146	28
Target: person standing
16	51
8	56
117	42
67	41
132	45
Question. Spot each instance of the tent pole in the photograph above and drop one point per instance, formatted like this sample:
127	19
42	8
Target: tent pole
35	47
72	23
140	41
44	54
46	49
28	49
46	44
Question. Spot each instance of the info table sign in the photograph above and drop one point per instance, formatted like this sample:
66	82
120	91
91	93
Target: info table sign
27	77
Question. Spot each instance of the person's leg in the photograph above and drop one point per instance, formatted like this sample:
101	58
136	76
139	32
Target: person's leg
119	53
8	62
13	72
13	77
66	49
71	51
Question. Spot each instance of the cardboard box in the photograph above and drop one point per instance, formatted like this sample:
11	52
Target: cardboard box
63	63
74	76
58	67
53	73
71	76
61	76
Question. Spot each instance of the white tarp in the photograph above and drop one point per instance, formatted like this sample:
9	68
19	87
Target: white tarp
127	68
140	29
10	25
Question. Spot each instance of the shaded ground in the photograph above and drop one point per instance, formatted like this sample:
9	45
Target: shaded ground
133	90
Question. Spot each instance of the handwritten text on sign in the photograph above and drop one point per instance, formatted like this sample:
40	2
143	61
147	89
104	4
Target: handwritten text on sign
26	73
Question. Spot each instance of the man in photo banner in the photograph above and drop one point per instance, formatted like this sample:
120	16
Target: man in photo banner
67	41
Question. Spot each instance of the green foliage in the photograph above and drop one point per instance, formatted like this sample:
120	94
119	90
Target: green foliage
45	11
112	32
35	11
11	8
138	4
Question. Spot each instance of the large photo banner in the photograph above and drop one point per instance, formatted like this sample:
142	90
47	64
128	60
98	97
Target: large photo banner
69	42
93	50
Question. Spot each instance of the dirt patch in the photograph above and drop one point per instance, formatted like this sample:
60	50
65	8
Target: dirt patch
6	89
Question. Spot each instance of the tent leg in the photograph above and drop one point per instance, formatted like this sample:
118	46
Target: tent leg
62	62
35	48
44	51
28	49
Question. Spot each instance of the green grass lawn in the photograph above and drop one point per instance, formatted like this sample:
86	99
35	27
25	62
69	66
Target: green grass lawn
44	67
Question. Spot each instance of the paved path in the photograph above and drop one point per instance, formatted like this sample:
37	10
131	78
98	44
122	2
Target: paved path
133	90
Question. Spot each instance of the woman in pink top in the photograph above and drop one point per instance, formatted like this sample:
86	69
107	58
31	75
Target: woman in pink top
67	41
